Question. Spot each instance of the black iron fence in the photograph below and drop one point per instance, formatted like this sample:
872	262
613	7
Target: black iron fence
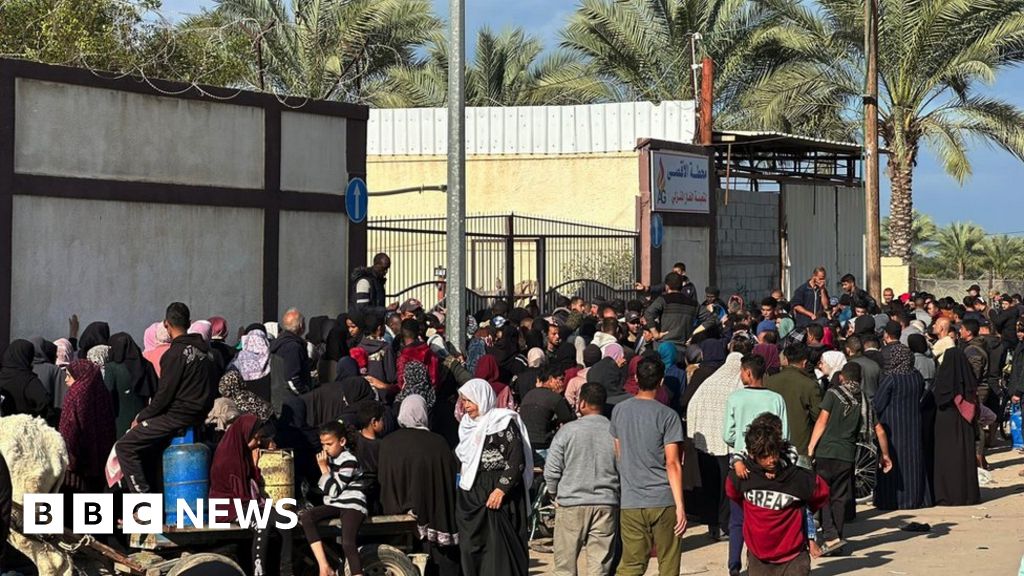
508	256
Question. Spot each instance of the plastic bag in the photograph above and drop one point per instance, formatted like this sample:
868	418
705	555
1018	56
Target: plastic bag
1016	433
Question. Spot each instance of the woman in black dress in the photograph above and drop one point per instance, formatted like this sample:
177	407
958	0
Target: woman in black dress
497	469
956	479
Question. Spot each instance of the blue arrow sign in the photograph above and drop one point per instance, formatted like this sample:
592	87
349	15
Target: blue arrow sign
657	230
356	200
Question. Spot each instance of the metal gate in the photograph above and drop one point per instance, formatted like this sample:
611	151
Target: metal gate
508	256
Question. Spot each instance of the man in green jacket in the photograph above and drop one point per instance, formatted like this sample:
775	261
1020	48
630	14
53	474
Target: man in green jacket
801	393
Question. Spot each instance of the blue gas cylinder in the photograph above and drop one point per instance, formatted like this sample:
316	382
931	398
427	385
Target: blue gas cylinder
186	477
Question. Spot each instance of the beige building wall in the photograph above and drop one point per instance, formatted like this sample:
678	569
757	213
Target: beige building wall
594	188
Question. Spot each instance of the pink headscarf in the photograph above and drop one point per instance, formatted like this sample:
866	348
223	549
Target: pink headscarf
202	328
155	342
219	327
614	351
65	352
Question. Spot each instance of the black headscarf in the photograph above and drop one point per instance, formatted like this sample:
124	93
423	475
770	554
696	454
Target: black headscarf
609	375
22	390
336	342
314	334
897	359
864	326
255	326
124	350
45	351
917	344
95	334
565	356
347	368
954	378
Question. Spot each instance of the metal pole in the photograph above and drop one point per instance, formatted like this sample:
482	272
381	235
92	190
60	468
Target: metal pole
874	261
455	322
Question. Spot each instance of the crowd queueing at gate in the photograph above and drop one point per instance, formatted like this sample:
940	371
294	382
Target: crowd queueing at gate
634	417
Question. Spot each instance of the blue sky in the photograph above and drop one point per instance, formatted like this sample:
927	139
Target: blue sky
994	184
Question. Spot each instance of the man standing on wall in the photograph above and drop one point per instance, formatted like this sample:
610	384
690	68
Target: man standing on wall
367	289
810	300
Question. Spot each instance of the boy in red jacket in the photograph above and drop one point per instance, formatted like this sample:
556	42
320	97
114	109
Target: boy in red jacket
773	493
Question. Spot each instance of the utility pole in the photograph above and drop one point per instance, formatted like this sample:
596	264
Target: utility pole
455	306
874	249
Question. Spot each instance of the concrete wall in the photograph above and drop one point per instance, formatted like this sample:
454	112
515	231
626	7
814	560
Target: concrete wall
313	150
314	268
595	188
84	132
124	262
748	243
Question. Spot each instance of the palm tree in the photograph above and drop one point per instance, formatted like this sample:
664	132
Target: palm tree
508	70
933	55
328	49
922	235
642	48
959	247
1001	255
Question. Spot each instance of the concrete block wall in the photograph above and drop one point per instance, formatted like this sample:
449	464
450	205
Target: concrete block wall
748	243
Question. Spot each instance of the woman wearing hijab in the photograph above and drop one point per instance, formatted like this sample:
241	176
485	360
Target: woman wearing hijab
94	334
65	356
956	400
155	342
335	349
218	340
772	359
22	391
526	380
829	367
497	470
235	475
232	387
610	373
253	363
88	427
417	473
487	369
44	364
705	419
632	386
923	361
675	377
898	407
713	352
417	383
131	379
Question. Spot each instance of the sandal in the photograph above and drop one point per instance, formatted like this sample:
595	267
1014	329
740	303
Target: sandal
829	548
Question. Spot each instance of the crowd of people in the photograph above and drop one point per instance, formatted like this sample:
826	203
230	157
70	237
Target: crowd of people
630	415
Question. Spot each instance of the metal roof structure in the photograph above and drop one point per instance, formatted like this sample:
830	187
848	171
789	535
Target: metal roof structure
767	155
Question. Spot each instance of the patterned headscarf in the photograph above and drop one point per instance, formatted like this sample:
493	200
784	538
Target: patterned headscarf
897	359
417	382
253	361
99	355
231	386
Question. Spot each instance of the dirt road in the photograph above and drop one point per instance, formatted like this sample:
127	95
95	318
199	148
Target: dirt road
987	539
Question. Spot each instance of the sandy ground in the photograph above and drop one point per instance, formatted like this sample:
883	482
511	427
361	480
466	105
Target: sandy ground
985	539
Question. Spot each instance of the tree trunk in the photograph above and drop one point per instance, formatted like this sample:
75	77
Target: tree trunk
901	206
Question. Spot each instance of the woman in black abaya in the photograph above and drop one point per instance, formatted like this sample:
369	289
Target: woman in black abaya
497	469
956	479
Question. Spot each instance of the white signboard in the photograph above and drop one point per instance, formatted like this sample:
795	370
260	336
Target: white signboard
680	182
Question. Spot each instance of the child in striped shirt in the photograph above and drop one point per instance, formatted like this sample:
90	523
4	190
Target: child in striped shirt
341	480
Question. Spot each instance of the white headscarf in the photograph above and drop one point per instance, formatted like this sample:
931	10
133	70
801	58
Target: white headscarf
705	414
491	420
833	361
413	413
535	358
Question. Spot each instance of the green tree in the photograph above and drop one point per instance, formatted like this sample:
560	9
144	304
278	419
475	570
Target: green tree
922	235
508	70
98	34
205	48
959	247
1001	256
642	48
328	49
933	55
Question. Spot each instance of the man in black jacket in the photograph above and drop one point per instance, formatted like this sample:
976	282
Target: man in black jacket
670	316
367	289
183	398
289	361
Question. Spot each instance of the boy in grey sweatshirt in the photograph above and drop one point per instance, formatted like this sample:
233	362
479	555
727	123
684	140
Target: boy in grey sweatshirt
582	476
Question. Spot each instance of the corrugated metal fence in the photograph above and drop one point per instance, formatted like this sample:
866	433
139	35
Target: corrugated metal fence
538	258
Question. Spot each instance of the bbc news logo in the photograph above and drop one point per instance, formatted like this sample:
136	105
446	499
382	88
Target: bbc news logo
143	514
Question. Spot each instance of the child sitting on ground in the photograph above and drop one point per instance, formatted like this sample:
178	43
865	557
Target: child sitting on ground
773	493
344	495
